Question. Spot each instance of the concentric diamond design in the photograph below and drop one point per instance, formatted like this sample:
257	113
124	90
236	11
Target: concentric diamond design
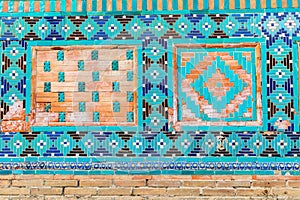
219	82
218	86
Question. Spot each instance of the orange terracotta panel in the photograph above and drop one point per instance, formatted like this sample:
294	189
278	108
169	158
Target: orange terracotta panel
119	4
47	6
36	6
99	5
159	5
68	5
26	6
79	5
5	6
16	6
79	86
149	4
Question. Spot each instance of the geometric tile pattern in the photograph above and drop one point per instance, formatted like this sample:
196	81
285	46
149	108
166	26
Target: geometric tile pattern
156	134
155	56
126	5
281	94
218	86
190	144
75	87
13	85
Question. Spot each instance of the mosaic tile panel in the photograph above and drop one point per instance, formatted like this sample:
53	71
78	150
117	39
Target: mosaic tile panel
208	93
86	86
218	85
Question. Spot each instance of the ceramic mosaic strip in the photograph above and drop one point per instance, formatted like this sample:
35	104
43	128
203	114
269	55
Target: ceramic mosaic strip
153	168
138	5
175	145
200	91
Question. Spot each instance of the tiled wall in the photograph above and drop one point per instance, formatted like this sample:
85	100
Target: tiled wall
139	5
183	91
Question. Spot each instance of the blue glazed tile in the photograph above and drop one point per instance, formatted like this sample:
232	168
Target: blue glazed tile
94	55
60	56
81	172
115	65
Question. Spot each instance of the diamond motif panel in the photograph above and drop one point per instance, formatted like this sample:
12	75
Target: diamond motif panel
218	85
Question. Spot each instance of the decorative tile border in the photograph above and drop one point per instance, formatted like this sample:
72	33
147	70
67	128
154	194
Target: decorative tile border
242	168
122	145
134	5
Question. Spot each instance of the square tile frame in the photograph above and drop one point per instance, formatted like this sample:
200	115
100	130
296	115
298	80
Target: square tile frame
32	45
181	125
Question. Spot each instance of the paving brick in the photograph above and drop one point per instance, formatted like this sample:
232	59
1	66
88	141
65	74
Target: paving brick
26	183
275	177
22	197
183	191
268	183
293	184
200	177
80	191
252	192
7	177
61	183
218	192
45	191
63	177
121	177
286	192
201	183
93	177
233	184
5	183
146	177
149	191
164	183
130	183
114	191
95	183
14	191
60	197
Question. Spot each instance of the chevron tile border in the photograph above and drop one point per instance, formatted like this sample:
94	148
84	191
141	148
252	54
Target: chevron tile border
10	6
